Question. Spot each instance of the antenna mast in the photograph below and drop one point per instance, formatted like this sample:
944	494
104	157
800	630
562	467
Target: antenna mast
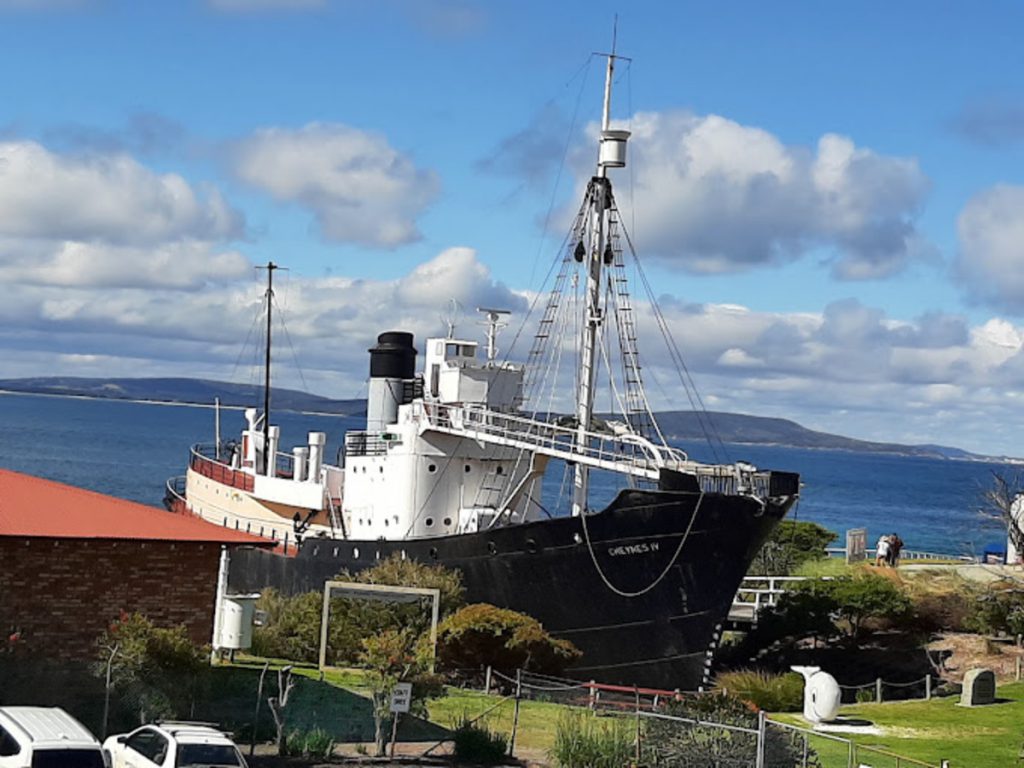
267	458
611	154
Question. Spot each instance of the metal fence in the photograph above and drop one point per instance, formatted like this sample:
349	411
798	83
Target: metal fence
825	750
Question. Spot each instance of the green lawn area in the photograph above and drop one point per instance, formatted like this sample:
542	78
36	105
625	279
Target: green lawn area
980	737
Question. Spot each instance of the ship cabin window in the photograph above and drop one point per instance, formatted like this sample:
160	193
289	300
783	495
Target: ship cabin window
469	468
447	521
431	467
500	470
429	521
452	351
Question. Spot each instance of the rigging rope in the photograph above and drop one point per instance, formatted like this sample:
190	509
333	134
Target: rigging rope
662	575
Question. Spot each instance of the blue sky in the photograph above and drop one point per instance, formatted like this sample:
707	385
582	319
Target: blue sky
830	198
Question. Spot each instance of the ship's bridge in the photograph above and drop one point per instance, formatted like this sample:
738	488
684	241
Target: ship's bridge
455	373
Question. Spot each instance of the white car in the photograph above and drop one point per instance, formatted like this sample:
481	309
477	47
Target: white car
172	745
45	737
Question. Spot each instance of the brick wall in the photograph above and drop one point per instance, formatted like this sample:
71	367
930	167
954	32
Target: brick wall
63	593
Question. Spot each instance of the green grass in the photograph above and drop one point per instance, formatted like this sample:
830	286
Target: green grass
979	737
828	566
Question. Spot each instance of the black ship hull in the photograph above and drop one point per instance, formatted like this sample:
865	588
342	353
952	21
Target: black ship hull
641	588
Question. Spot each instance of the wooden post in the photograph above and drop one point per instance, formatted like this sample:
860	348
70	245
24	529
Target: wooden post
515	713
928	687
256	714
878	690
761	733
636	697
487	681
593	694
1019	664
394	733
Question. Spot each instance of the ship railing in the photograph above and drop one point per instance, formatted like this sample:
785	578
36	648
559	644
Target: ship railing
218	471
174	495
626	453
361	443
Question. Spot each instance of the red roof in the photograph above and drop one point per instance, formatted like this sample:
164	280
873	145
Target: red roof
34	507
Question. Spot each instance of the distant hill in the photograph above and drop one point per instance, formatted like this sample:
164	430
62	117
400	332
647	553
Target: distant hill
676	425
198	391
743	428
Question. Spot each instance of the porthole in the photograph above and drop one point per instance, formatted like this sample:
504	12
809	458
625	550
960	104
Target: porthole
381	470
500	470
403	554
468	468
577	538
429	522
433	553
492	547
355	553
378	554
531	546
447	521
386	522
431	468
335	551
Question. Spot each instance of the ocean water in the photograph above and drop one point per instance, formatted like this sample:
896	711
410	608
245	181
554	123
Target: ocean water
129	450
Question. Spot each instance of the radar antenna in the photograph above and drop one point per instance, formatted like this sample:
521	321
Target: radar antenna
494	322
451	315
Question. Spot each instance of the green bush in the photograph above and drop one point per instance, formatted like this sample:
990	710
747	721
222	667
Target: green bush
583	742
865	695
791	544
998	612
318	743
476	743
771	692
292	629
675	743
482	635
294	743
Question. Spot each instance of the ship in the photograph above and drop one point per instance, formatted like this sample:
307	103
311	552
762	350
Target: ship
451	467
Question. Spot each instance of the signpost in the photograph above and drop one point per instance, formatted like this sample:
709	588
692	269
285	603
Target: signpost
401	698
856	545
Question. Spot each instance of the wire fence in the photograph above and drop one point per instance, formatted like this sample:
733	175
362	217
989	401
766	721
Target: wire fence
879	690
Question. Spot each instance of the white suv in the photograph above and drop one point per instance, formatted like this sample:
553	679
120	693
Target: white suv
45	737
172	745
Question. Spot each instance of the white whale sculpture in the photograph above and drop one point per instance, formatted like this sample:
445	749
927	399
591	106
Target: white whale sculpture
821	694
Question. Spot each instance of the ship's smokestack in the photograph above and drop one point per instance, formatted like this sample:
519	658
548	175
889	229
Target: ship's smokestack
392	362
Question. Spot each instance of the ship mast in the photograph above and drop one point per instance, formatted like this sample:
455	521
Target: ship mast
611	154
267	458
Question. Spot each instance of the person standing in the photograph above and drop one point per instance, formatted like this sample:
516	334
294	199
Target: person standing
895	545
882	550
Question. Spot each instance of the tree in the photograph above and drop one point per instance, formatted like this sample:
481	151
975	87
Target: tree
156	667
1002	502
867	595
285	686
395	656
792	543
482	635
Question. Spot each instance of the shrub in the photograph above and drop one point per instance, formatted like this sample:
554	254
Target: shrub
791	544
668	742
948	611
476	743
480	635
865	695
158	668
998	612
294	743
772	692
318	743
582	742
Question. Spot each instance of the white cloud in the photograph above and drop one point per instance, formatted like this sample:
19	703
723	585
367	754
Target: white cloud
715	196
990	262
103	198
357	186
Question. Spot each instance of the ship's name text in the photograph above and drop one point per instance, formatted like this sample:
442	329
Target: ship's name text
634	549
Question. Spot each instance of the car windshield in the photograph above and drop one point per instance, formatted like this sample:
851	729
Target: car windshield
67	758
207	754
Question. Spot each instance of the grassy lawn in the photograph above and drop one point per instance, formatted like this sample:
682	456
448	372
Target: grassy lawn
981	737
